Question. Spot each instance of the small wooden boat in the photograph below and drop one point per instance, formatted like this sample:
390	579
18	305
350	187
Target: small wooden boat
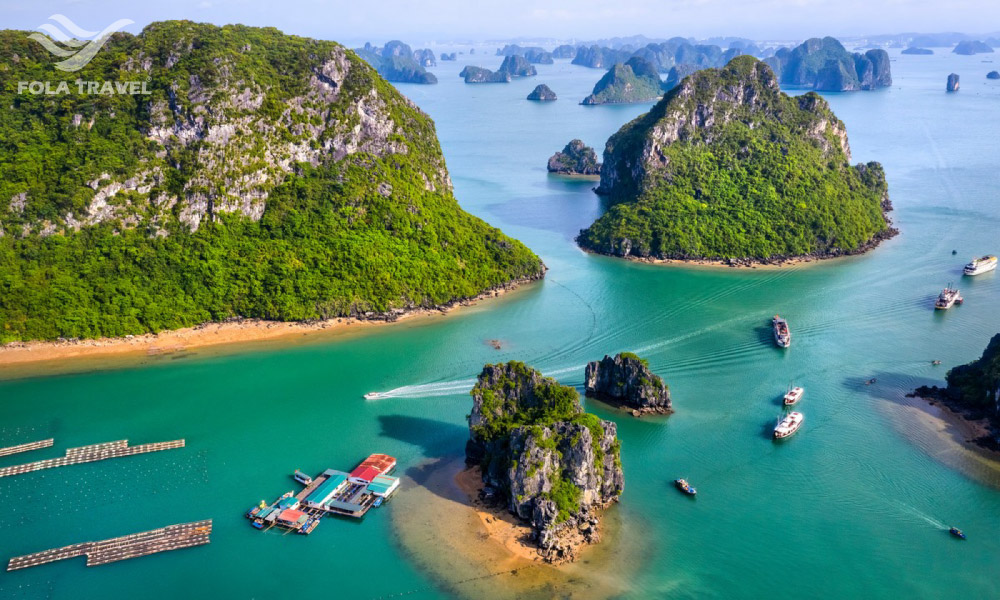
955	531
685	487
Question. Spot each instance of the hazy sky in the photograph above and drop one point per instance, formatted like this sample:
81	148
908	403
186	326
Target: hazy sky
424	20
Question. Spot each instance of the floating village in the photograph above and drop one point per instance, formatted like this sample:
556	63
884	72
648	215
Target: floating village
332	492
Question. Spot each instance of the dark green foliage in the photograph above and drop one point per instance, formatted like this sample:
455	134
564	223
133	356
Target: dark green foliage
979	381
328	244
635	80
758	184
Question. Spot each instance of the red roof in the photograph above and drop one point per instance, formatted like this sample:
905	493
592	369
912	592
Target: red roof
290	515
382	462
365	473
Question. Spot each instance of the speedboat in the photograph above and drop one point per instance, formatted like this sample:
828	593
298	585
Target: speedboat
789	425
685	487
982	265
793	395
375	395
955	531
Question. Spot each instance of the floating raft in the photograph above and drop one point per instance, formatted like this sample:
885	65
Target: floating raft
172	537
92	453
26	447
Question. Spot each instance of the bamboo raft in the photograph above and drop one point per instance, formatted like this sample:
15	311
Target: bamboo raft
91	453
172	537
26	447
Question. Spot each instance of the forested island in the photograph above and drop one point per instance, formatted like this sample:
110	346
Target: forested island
265	176
399	63
726	167
823	64
635	80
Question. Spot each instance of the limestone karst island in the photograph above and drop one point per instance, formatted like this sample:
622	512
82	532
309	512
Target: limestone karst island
502	302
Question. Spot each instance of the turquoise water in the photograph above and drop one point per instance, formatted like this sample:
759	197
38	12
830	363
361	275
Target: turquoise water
855	505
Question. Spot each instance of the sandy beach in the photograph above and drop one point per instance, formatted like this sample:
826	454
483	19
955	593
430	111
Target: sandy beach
43	357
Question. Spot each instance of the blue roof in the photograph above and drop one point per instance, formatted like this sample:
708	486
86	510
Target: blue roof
325	489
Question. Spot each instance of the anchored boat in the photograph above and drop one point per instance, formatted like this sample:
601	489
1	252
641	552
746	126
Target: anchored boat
302	477
789	425
948	297
685	487
978	266
793	395
782	336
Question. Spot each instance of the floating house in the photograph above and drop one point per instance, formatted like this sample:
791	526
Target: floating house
331	492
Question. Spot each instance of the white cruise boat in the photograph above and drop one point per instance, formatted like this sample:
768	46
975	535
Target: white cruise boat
948	297
793	395
789	425
978	266
375	395
782	336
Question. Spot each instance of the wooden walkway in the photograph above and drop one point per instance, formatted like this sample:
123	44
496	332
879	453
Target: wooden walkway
92	453
26	447
172	537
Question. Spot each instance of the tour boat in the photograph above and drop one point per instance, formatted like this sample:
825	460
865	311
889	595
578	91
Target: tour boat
793	395
789	425
949	297
982	265
374	395
955	531
782	336
685	487
302	477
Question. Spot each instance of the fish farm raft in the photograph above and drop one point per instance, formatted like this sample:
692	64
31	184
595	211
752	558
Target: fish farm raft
331	492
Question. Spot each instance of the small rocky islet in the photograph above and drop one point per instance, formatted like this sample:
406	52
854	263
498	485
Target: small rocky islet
635	80
397	62
970	47
542	93
952	84
542	458
917	51
576	158
626	381
513	66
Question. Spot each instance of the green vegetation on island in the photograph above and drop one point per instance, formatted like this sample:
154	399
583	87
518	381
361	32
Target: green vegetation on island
265	175
726	166
635	80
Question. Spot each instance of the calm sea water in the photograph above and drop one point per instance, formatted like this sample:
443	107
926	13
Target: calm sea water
856	505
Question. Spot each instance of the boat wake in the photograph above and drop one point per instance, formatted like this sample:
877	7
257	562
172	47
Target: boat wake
916	513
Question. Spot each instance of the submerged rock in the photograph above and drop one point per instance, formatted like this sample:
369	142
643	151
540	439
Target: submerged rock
550	463
626	381
575	159
542	93
952	85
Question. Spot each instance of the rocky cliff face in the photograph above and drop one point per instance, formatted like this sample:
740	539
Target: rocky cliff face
542	93
637	80
564	51
575	159
597	57
825	65
626	381
547	461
